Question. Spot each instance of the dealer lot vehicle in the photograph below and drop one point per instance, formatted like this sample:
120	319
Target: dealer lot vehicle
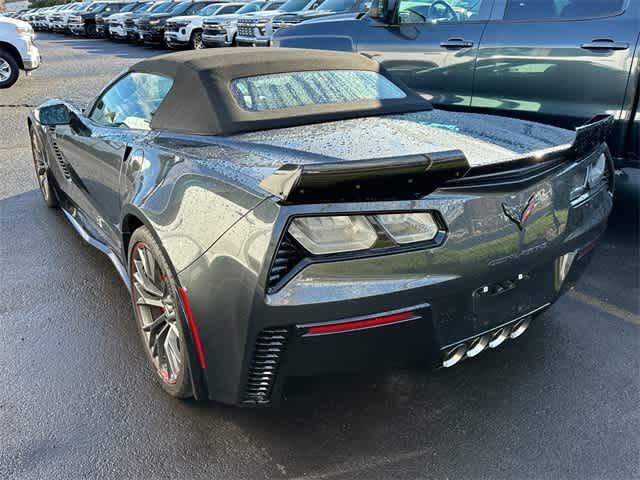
223	30
84	23
184	31
256	29
60	19
151	28
281	212
128	23
17	50
326	9
545	60
44	20
104	19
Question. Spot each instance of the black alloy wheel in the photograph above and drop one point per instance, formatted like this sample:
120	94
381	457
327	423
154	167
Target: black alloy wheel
158	312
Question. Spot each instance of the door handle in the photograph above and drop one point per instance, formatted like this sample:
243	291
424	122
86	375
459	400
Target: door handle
604	44
456	43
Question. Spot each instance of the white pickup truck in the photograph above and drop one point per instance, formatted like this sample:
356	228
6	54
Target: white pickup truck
17	50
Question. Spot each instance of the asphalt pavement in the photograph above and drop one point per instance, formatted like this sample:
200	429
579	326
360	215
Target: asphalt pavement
77	401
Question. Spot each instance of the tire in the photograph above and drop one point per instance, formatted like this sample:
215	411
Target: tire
9	70
196	41
164	342
90	30
43	172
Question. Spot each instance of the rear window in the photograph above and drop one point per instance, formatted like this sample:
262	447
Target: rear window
298	89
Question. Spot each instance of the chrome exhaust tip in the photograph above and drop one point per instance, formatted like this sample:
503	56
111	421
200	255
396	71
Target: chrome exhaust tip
520	327
478	345
454	355
499	337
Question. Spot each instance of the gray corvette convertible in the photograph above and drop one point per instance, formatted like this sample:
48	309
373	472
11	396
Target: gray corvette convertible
279	213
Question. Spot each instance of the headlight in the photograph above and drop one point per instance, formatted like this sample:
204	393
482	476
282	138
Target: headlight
154	22
322	235
596	171
24	30
409	227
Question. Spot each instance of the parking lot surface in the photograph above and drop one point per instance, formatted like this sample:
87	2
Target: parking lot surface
77	400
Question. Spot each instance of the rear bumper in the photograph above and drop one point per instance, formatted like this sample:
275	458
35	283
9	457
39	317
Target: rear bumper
264	337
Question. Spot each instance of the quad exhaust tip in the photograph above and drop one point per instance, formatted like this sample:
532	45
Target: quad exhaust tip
478	344
454	355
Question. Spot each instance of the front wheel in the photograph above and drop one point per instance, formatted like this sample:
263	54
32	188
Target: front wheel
196	41
91	31
43	173
158	314
9	70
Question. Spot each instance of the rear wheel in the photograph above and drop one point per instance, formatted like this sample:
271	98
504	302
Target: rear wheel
158	314
43	173
9	70
196	41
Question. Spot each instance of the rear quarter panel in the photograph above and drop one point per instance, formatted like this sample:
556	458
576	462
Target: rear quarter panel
186	200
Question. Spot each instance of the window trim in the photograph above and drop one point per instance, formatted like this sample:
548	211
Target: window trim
500	9
110	85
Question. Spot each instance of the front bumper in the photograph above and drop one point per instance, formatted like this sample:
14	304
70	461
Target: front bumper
217	40
487	273
153	37
176	39
117	31
257	41
77	28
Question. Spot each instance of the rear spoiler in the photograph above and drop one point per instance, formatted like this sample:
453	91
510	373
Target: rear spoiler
414	176
395	178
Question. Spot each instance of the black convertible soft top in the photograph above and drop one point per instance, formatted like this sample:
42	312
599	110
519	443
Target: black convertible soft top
201	101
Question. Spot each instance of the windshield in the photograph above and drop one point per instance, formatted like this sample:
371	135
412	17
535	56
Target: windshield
161	7
299	89
210	10
273	6
178	8
96	7
251	7
294	5
128	8
142	7
195	8
345	5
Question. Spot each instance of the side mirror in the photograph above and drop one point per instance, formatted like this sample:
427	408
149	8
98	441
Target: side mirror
53	114
384	10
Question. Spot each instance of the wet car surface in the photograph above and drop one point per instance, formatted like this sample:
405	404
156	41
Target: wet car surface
562	400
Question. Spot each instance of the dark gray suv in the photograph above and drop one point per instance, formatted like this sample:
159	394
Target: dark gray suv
554	61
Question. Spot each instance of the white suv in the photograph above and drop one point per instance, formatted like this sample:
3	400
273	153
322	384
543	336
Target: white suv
17	51
187	30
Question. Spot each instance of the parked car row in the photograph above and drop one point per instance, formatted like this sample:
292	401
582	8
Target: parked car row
178	24
555	61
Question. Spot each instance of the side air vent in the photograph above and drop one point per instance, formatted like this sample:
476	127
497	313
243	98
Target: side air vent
288	255
64	166
267	353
